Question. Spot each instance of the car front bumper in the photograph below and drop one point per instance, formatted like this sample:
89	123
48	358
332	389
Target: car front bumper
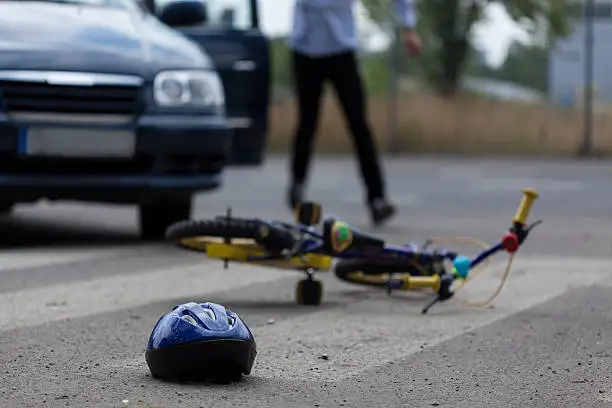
172	153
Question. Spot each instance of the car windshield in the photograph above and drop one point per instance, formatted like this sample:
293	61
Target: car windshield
224	13
99	3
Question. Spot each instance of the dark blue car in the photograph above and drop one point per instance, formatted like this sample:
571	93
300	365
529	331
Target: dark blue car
129	102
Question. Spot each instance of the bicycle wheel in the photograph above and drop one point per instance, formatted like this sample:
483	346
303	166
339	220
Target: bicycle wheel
371	273
196	234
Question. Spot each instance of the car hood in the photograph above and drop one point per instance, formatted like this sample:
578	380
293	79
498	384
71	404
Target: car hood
55	36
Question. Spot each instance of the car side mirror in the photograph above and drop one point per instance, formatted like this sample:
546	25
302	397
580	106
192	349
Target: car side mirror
183	13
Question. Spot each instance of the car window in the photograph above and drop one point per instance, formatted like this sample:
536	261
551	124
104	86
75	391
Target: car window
234	14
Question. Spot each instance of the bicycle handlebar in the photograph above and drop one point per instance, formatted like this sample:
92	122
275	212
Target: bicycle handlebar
522	213
513	239
510	242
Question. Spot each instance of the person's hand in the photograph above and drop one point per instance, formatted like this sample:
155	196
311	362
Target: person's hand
412	41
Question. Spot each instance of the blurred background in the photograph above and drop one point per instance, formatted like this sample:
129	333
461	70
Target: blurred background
521	77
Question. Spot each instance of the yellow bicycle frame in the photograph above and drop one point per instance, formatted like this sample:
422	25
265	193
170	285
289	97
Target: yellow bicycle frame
241	253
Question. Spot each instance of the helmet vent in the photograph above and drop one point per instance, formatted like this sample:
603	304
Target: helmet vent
189	319
210	313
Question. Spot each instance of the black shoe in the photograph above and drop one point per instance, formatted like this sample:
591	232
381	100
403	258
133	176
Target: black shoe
381	211
296	195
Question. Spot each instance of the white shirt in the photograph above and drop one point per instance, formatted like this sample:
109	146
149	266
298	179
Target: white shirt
327	27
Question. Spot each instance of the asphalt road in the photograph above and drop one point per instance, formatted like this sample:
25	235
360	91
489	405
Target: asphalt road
79	295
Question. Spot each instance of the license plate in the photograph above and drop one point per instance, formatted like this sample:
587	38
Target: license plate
77	142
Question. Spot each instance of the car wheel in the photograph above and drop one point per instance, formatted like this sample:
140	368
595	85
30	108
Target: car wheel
157	216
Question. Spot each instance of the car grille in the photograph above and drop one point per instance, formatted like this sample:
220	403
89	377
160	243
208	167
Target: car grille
18	96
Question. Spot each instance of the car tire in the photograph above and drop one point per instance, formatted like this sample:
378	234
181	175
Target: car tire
156	216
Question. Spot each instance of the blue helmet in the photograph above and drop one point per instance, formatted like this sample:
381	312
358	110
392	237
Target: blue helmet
200	340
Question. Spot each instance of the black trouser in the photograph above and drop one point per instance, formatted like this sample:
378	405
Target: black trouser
342	71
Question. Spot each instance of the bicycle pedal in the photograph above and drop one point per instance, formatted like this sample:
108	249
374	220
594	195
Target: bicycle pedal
308	213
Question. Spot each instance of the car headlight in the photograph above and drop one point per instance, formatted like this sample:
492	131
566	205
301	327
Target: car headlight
189	89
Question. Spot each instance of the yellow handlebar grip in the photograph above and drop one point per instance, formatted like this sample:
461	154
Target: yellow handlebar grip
422	282
529	196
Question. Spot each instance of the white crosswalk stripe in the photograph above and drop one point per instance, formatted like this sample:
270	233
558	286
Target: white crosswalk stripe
378	330
371	332
355	340
62	301
32	258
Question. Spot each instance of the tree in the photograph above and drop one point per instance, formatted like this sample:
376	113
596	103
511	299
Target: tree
525	65
446	25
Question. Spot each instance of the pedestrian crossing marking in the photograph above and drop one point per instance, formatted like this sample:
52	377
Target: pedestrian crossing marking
378	330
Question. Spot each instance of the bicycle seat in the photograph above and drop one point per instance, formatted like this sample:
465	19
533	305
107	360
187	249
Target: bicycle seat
339	237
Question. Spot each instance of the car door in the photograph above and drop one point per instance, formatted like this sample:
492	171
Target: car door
233	39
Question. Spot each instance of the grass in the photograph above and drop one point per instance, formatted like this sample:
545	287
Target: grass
466	125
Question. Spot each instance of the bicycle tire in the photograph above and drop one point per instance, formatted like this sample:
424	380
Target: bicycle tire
373	273
235	229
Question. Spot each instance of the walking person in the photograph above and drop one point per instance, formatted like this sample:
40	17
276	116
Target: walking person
324	44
